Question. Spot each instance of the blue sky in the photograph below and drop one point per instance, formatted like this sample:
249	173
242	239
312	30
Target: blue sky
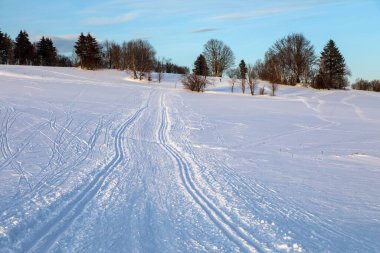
179	29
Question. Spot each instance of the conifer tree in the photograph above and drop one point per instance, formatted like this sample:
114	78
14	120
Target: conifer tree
243	74
200	66
46	52
332	68
80	50
88	51
24	51
6	49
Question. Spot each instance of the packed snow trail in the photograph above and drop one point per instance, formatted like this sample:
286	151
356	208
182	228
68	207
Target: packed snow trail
45	236
92	162
238	235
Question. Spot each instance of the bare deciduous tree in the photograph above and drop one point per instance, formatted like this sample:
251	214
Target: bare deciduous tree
219	56
139	56
115	55
233	74
160	68
252	72
112	55
295	58
274	88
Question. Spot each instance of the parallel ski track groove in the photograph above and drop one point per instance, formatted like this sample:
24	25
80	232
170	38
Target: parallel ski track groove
46	235
221	220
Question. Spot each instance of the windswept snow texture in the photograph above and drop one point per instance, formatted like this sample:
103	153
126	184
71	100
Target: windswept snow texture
91	161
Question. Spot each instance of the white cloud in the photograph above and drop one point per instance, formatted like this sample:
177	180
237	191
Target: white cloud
110	20
276	10
64	43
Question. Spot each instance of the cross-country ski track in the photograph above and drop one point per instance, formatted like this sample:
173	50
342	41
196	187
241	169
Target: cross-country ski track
93	161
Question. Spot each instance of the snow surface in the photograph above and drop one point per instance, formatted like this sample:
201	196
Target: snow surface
91	161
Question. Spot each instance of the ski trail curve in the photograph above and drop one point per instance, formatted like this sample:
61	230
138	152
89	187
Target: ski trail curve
243	239
47	234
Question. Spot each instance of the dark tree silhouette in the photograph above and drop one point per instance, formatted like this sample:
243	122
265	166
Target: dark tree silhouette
200	66
332	68
88	51
24	51
197	81
6	49
243	74
46	52
64	61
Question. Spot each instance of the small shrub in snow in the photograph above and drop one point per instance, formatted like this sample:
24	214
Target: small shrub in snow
194	82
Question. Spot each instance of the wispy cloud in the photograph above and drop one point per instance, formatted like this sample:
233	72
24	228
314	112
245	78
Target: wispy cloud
256	14
204	30
271	11
110	20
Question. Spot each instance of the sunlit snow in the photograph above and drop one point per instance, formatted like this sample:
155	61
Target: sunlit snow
93	161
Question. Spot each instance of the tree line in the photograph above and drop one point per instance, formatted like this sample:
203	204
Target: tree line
136	56
290	60
362	84
22	52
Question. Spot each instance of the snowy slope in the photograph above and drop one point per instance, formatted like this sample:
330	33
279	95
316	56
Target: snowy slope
96	162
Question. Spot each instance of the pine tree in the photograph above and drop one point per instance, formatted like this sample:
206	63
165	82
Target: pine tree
94	52
200	66
24	51
46	52
243	74
88	51
6	49
80	50
332	68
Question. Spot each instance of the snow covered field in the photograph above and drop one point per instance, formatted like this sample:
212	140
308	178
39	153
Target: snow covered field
93	162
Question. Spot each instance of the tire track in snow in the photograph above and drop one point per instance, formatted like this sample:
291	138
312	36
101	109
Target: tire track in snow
243	239
46	235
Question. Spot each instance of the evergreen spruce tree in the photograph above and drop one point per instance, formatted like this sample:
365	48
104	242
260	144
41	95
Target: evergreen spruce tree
94	52
80	50
332	69
200	66
88	51
6	49
243	74
46	52
24	51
